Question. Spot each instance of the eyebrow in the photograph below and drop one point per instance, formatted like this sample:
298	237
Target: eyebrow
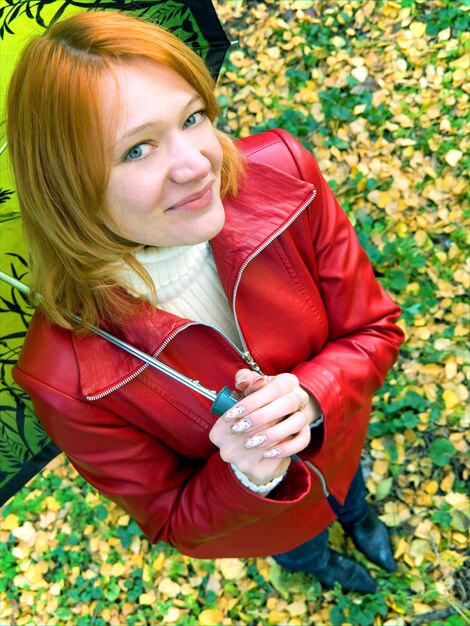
151	124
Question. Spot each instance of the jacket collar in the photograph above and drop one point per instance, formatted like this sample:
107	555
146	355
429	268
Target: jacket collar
266	201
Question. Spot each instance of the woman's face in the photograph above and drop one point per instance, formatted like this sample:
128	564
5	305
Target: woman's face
164	185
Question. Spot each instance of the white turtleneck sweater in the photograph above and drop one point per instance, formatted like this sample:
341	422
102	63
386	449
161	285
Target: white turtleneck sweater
188	285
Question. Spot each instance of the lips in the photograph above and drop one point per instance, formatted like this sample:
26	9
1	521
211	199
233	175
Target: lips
195	201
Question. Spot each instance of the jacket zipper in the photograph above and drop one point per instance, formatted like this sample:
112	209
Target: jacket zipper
128	379
246	355
320	476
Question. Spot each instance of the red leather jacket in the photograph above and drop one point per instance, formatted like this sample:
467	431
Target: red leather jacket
305	301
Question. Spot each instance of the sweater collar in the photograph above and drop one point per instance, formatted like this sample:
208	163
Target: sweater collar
172	269
266	201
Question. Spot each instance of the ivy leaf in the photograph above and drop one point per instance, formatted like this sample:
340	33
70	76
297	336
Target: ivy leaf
441	451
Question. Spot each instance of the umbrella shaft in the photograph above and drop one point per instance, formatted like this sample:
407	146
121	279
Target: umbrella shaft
13	282
150	360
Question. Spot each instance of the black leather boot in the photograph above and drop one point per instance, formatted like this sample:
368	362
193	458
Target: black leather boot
349	574
370	536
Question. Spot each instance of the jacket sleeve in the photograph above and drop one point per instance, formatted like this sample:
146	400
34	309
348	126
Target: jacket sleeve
363	339
184	502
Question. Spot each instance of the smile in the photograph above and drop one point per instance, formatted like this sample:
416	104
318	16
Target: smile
195	201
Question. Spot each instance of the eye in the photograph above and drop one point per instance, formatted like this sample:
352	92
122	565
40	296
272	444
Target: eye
195	118
140	151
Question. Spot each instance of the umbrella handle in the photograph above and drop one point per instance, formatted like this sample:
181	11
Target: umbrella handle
225	399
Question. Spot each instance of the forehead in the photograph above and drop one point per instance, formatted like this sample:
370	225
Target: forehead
138	88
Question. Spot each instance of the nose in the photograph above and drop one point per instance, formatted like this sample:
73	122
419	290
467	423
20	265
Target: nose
187	160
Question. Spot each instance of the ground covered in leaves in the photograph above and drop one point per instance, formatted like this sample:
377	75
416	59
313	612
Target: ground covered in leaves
379	91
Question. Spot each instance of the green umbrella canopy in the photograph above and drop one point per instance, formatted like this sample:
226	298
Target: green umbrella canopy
24	446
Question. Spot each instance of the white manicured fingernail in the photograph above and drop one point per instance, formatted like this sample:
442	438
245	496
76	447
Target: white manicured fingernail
235	411
272	453
255	441
239	380
242	425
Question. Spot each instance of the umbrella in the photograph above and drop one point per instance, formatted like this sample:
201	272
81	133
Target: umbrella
195	22
24	446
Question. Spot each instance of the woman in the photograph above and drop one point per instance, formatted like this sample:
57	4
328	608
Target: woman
233	264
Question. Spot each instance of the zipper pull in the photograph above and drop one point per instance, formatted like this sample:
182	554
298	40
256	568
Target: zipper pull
252	363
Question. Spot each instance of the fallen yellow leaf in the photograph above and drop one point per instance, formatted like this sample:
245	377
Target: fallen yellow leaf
453	157
51	504
26	533
210	617
444	35
426	530
419	550
450	370
458	500
419	608
274	52
159	561
231	568
56	588
430	486
118	569
297	608
417	29
460	538
148	598
169	587
451	400
173	615
9	522
395	513
462	62
401	548
360	73
276	617
448	482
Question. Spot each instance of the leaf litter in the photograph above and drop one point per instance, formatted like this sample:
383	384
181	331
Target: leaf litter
379	91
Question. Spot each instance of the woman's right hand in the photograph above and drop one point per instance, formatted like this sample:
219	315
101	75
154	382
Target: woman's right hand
260	433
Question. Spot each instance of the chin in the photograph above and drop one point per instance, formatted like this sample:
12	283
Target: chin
212	223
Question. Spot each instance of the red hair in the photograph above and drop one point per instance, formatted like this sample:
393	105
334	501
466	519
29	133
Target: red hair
57	146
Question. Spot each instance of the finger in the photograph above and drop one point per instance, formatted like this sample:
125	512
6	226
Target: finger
289	427
256	384
276	387
270	391
244	377
282	431
275	409
289	447
303	401
256	441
